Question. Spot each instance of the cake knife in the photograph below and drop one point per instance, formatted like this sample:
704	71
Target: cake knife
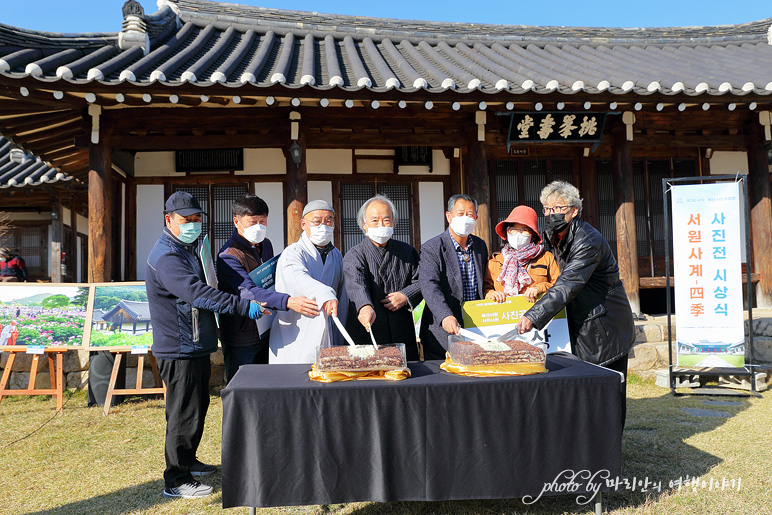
372	336
342	330
472	336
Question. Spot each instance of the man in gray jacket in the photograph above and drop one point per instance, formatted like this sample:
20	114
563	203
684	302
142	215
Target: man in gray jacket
382	280
451	273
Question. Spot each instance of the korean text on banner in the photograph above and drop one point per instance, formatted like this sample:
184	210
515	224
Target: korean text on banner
264	276
489	318
708	275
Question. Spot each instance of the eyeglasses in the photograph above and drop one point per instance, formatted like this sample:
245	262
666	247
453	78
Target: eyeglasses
556	209
318	221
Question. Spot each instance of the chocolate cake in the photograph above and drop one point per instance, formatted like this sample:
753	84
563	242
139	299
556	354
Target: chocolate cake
360	357
495	353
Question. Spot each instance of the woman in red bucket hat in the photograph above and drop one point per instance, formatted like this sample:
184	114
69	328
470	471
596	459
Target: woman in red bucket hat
522	266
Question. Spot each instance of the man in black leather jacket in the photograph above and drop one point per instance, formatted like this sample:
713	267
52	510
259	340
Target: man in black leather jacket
600	320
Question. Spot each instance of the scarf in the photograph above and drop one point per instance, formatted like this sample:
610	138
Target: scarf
514	274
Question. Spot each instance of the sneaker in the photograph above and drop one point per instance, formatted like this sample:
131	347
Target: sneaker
190	490
202	469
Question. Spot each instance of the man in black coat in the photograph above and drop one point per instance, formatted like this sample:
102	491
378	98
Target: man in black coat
382	280
450	273
600	320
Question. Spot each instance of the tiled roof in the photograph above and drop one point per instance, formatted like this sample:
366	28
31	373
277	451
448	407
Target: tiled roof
138	311
32	172
242	47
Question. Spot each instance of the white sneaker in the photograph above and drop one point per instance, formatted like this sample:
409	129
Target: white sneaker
190	490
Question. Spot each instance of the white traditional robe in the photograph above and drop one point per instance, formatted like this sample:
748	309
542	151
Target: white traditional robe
296	338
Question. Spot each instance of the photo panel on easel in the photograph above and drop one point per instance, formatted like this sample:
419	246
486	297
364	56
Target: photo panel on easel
120	317
43	315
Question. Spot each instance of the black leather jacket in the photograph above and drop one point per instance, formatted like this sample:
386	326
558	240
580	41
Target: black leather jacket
600	321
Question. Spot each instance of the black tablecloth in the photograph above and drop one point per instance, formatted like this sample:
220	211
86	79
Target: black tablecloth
288	440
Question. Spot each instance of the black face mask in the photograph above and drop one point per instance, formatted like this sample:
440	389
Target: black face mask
556	222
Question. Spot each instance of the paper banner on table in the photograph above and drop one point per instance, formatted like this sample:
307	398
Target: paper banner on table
264	276
707	272
119	317
36	315
490	318
207	263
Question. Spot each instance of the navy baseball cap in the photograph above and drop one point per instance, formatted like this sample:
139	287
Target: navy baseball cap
183	203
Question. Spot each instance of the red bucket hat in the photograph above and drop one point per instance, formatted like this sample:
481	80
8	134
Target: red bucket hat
520	215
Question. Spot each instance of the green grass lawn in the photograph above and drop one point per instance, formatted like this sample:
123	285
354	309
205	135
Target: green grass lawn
692	360
81	462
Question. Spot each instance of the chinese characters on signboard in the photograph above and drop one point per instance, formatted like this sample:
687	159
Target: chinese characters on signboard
708	275
556	126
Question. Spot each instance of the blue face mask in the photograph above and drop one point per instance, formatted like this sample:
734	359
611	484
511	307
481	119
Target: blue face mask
189	232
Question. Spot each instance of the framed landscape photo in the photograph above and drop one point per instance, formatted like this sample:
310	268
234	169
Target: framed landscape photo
43	315
120	317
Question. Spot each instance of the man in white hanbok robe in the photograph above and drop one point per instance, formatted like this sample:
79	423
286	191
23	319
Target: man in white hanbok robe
313	268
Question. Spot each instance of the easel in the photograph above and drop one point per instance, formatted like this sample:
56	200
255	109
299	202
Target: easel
138	388
56	373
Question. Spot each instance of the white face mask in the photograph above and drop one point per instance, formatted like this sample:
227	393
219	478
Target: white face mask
518	240
462	225
321	235
380	234
254	233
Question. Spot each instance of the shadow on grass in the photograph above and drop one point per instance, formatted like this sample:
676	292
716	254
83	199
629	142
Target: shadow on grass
653	447
133	499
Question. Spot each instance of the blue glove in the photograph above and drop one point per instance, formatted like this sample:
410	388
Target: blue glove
255	310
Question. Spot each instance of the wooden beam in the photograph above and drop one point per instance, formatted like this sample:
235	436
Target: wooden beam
57	233
21	123
74	240
160	142
130	245
624	201
478	187
761	215
295	193
589	189
99	211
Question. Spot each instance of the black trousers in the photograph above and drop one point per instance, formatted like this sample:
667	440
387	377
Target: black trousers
187	401
247	355
620	365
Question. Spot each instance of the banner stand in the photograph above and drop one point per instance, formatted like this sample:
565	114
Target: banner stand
682	377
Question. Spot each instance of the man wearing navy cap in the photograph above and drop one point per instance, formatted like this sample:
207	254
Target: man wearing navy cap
182	308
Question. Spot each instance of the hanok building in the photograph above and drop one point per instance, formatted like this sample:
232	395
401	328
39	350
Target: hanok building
220	99
33	196
128	317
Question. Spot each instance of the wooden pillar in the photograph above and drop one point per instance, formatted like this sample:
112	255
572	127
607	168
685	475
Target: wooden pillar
478	187
100	257
57	233
624	201
589	189
761	215
295	192
73	258
130	245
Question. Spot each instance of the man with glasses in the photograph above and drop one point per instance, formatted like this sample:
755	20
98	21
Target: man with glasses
600	320
311	267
